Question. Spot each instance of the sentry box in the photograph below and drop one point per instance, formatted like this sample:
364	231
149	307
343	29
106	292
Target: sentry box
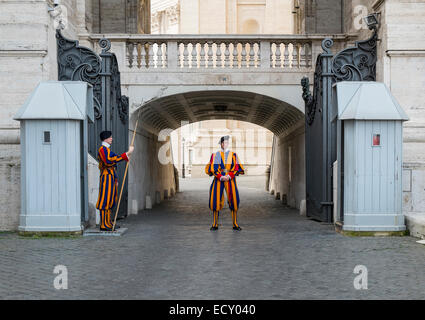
54	189
369	157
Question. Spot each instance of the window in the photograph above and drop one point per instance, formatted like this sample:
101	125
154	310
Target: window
46	137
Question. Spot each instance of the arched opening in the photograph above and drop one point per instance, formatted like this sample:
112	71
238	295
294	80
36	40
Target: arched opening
153	172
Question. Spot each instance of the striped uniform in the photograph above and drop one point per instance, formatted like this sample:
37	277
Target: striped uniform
222	164
108	183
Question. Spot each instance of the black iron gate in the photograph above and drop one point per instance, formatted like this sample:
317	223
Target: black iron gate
78	63
352	64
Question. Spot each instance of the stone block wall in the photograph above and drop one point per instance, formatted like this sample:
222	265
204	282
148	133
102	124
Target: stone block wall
147	176
287	177
27	56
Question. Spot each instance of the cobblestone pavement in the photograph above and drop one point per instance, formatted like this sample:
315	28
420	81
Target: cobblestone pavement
170	253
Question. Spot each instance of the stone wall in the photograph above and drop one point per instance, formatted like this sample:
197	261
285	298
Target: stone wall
25	59
287	178
10	200
147	176
27	56
401	67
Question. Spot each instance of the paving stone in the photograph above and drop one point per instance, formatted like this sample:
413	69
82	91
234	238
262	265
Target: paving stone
170	253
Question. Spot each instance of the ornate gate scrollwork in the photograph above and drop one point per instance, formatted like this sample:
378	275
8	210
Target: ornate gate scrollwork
357	63
78	63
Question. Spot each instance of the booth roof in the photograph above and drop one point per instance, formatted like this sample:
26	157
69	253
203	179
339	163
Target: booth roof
367	101
58	100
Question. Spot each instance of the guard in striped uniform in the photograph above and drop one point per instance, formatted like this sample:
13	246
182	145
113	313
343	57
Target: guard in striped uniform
108	181
224	165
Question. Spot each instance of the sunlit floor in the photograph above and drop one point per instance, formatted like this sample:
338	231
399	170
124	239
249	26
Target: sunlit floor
170	253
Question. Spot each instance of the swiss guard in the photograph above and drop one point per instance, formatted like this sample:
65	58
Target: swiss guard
224	165
108	181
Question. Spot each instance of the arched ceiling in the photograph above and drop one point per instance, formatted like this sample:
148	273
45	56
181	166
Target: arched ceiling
171	111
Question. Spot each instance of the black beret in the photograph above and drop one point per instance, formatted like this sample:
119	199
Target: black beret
223	138
105	135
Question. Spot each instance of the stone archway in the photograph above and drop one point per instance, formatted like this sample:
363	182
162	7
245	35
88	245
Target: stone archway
149	178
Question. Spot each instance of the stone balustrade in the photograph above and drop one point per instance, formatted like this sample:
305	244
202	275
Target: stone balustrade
213	53
149	52
218	52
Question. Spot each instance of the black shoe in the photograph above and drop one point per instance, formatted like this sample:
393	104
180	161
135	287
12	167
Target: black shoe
105	229
237	228
213	228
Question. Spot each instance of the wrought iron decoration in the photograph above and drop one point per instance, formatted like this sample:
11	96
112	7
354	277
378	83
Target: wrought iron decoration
78	63
357	63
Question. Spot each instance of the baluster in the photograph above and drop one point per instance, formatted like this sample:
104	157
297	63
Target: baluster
286	55
202	55
164	54
218	56
258	62
180	55
193	60
272	54
159	56
278	56
130	47
234	55
307	55
210	55
185	55
240	58
302	56
226	55
151	62
251	55
141	54
243	55
256	54
295	55
154	55
145	62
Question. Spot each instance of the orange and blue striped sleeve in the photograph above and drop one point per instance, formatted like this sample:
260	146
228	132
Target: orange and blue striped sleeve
236	168
216	165
208	169
109	158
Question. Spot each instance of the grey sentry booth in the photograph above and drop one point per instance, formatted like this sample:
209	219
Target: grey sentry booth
369	157
54	190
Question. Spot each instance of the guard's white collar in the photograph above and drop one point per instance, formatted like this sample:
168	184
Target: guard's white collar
104	143
222	150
